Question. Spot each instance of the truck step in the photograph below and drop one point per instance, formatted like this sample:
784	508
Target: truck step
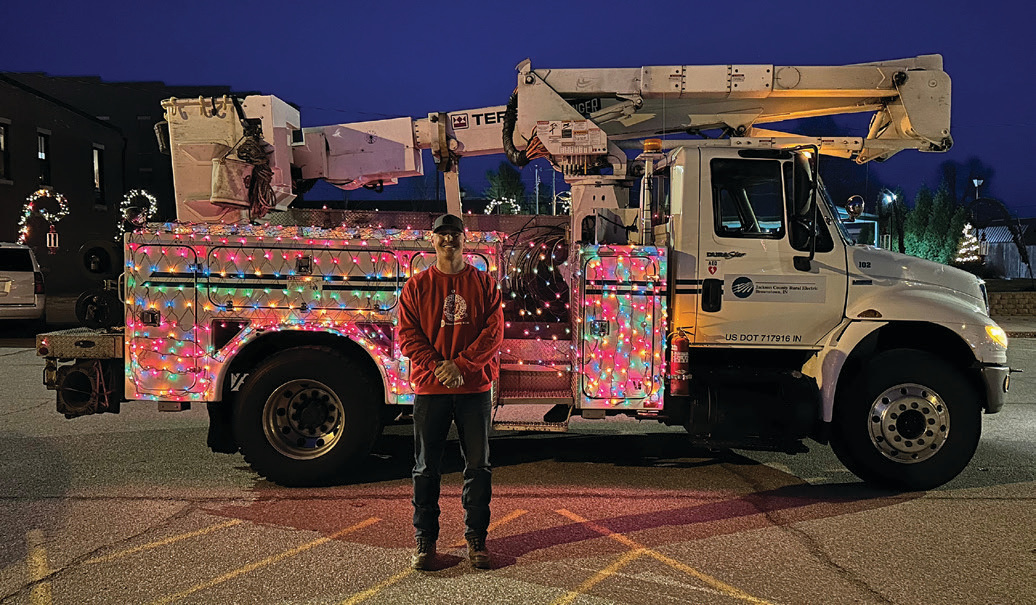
535	351
528	397
529	380
547	427
536	366
543	415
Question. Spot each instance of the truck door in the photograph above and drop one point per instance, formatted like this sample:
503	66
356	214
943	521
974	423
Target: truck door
754	206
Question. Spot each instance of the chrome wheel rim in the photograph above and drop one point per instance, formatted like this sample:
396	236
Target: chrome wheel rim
909	423
303	419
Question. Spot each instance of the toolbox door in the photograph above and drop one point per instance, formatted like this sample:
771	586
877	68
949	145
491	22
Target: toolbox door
162	333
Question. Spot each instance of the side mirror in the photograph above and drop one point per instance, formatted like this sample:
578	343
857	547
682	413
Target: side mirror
854	207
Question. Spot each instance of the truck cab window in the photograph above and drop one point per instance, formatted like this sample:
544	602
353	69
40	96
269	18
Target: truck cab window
748	199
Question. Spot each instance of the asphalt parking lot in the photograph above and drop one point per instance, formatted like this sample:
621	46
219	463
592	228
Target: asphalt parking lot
132	508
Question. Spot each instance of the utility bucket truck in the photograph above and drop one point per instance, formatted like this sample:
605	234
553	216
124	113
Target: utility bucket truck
702	282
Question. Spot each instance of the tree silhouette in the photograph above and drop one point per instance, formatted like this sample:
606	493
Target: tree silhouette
505	183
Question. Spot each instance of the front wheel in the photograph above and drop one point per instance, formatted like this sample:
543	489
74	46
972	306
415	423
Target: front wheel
909	420
305	415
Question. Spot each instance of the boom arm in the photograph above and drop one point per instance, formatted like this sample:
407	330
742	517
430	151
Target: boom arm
909	98
233	160
214	184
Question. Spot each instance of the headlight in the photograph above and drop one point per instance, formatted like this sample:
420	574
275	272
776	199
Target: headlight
997	335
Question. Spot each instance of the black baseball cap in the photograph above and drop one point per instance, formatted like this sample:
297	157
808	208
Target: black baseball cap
448	222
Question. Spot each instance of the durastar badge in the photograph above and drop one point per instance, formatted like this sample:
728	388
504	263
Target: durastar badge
732	254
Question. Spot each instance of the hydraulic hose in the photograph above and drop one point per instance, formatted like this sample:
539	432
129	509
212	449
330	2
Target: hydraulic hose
518	158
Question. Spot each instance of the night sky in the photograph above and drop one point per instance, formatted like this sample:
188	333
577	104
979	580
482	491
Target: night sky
387	59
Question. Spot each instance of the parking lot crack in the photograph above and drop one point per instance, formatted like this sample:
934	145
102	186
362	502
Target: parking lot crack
813	547
52	574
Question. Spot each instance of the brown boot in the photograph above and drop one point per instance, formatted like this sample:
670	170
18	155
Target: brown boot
477	553
424	555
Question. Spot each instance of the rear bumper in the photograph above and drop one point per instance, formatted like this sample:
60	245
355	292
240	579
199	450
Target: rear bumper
23	311
997	380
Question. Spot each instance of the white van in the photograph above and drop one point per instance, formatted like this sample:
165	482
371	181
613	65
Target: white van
22	293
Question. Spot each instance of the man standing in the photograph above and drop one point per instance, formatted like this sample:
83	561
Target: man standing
451	326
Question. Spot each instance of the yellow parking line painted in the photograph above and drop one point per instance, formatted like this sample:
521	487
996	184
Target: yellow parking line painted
169	540
711	581
362	596
267	561
601	575
36	559
641	549
370	592
507	519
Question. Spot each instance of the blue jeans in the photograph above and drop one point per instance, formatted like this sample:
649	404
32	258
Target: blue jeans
432	417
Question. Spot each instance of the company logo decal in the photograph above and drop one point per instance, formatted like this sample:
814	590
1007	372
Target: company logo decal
454	310
742	287
460	120
732	254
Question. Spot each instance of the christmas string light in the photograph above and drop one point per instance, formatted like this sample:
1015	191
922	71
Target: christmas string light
969	246
30	208
507	205
624	318
183	282
133	198
199	296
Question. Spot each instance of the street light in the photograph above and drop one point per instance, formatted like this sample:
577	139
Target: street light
978	182
892	210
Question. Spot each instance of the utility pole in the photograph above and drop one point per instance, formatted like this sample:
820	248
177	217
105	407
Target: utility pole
553	191
537	190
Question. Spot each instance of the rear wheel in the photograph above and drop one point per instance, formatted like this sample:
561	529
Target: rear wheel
910	420
305	415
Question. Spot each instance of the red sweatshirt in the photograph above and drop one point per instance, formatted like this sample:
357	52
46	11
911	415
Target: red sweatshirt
451	317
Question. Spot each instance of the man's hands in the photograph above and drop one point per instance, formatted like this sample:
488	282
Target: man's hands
448	374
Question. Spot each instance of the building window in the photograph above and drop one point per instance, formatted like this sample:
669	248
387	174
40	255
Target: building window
99	198
43	153
5	152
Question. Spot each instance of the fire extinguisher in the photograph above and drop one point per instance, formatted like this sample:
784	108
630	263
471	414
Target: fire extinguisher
679	380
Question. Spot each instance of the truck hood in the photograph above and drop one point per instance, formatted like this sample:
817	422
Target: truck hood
869	267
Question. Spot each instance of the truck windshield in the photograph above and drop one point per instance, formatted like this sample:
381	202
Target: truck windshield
832	213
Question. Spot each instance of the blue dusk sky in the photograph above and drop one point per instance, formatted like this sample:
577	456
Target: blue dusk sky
351	61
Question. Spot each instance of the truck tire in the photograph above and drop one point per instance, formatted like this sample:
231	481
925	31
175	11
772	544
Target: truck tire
909	420
305	415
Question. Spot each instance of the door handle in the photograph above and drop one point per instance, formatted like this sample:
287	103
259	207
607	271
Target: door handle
712	295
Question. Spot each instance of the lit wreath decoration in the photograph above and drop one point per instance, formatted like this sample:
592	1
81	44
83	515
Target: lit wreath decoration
564	201
30	208
127	203
505	204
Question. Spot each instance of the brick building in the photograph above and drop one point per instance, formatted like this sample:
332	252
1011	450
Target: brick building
90	141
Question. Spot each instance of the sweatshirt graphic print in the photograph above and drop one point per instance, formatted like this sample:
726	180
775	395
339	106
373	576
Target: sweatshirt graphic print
451	317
